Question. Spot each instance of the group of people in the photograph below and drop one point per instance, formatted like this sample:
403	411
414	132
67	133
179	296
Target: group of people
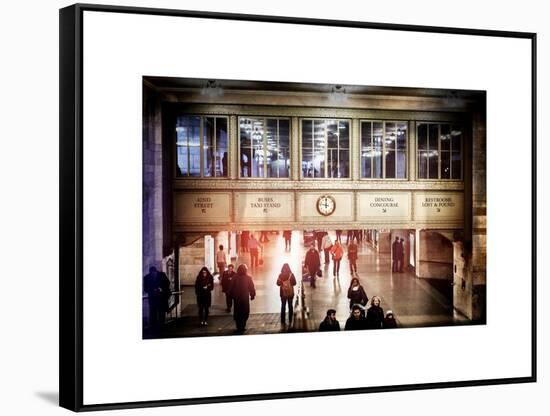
374	318
238	288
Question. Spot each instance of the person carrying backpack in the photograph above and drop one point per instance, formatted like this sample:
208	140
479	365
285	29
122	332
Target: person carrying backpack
286	282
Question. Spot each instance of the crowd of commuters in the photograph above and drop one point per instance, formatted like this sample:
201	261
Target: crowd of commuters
238	286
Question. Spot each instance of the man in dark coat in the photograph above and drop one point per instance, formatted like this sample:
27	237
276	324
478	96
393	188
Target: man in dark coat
401	255
157	287
242	291
356	320
330	323
227	280
313	263
395	255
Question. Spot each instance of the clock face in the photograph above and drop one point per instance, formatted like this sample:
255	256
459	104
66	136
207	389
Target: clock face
326	205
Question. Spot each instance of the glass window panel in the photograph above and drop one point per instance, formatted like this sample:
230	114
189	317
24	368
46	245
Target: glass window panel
246	163
272	162
258	162
343	164
401	136
284	163
445	165
332	163
456	139
307	133
445	137
245	127
319	163
332	134
307	163
194	161
422	136
366	150
319	135
433	136
182	156
390	163
343	134
423	164
208	146
433	157
391	136
284	133
401	161
377	150
222	157
456	165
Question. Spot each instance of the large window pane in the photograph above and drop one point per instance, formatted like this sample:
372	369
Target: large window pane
187	135
377	134
456	165
208	147
366	150
325	148
445	165
433	157
439	151
222	153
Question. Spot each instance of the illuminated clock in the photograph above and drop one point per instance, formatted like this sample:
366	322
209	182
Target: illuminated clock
326	205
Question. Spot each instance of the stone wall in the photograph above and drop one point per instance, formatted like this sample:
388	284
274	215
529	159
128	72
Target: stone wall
436	256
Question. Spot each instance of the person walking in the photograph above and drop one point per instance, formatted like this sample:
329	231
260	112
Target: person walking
395	255
221	260
339	235
353	251
349	236
157	287
227	281
326	244
204	284
287	235
312	263
253	246
375	314
337	252
286	282
356	320
401	255
245	236
242	292
330	323
357	294
319	238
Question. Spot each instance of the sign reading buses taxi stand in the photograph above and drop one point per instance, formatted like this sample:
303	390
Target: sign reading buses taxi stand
264	207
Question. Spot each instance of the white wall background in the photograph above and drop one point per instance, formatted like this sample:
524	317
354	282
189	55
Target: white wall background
28	212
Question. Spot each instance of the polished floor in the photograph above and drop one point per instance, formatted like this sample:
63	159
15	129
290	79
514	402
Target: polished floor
414	302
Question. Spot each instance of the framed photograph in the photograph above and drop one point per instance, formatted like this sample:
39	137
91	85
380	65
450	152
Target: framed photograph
291	200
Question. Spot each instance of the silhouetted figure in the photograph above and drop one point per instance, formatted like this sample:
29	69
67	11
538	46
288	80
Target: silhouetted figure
242	291
227	280
375	314
204	284
353	251
245	236
356	320
349	236
330	323
395	255
401	255
157	287
286	282
312	263
254	247
339	235
287	235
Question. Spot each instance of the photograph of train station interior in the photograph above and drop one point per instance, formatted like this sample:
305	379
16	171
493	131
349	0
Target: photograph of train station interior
273	207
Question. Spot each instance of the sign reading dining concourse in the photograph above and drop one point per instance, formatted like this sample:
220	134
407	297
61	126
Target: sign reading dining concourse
384	206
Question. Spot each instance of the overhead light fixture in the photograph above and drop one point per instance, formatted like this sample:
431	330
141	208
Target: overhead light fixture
338	93
212	88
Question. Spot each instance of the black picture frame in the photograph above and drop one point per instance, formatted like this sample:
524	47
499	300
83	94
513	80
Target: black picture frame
71	205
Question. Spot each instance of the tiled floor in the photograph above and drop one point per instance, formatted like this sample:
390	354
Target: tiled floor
414	301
